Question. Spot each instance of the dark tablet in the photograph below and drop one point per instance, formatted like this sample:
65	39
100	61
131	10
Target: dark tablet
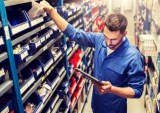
90	77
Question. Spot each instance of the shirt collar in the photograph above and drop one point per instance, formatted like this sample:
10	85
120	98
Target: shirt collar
123	47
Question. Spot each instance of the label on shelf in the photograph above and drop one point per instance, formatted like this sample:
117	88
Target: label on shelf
37	21
19	28
38	43
48	72
2	72
69	50
5	110
42	78
40	108
46	96
32	79
48	111
48	64
47	35
39	71
44	48
42	27
61	71
59	53
24	54
51	32
54	102
42	39
55	82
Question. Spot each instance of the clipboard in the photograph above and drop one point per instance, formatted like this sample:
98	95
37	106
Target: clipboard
90	77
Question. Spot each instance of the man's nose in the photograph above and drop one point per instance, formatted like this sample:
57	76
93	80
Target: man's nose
109	41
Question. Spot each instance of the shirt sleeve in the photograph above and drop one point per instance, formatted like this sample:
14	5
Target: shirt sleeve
81	37
136	76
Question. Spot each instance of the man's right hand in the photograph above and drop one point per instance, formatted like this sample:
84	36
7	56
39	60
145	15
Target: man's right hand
47	7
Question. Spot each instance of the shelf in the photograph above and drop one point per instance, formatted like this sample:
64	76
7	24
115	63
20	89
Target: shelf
151	105
88	25
4	87
7	107
74	16
77	65
31	90
94	18
50	43
155	64
76	84
80	26
73	51
44	104
78	97
55	109
95	28
3	56
52	67
71	18
16	2
86	2
30	33
66	110
35	86
87	13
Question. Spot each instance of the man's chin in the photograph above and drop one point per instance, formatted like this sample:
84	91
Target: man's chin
111	47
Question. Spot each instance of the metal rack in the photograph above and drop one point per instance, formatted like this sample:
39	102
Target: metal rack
17	104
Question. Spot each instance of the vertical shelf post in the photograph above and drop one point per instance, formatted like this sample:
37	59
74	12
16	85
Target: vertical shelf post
17	100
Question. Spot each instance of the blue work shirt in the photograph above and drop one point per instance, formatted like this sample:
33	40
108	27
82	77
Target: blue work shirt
122	68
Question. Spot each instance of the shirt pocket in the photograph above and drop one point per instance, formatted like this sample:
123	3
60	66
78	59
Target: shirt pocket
114	73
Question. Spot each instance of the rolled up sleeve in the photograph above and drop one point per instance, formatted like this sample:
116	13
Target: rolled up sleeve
136	76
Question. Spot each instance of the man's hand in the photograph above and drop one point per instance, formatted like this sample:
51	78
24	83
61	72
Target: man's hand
47	6
103	89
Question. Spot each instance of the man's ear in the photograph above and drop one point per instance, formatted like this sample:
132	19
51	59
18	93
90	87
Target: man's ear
125	33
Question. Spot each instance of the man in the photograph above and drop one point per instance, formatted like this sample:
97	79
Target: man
116	62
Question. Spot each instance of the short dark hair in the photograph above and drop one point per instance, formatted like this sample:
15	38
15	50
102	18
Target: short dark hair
116	22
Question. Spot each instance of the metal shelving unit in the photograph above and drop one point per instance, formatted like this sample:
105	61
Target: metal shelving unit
35	86
38	53
4	87
63	75
19	99
3	56
30	33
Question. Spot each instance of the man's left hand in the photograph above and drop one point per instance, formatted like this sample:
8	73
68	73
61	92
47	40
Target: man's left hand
103	89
